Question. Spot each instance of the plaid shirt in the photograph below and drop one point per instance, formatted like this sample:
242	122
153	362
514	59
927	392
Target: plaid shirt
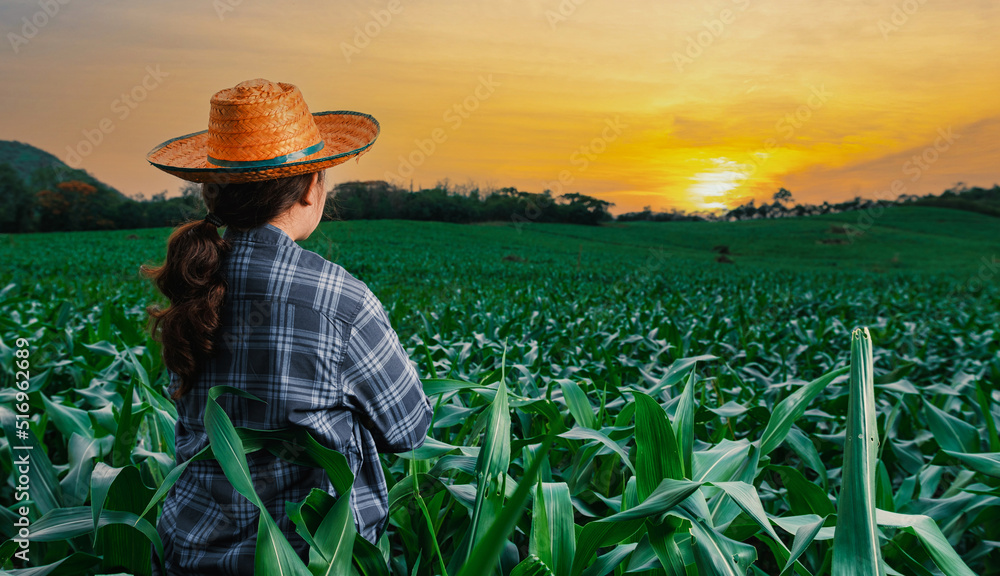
314	343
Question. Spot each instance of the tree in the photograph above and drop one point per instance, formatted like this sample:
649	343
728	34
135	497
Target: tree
69	206
782	196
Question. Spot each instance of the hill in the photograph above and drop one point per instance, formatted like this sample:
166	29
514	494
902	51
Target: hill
40	193
39	169
904	239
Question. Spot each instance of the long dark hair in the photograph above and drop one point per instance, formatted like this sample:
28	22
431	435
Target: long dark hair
190	277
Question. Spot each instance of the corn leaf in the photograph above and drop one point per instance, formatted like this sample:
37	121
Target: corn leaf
856	550
552	538
792	408
684	423
578	404
491	468
927	531
804	536
657	456
274	553
486	551
950	432
988	463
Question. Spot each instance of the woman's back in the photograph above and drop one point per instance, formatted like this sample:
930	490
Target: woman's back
312	342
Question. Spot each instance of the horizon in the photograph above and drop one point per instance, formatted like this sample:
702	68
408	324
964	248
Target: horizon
689	107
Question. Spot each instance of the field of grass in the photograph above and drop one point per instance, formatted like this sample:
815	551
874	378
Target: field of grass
608	400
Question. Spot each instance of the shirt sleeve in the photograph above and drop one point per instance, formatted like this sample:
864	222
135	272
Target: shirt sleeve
381	384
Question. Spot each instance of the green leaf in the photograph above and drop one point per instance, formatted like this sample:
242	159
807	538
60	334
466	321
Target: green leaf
792	408
721	462
82	451
368	558
166	485
588	434
684	423
68	419
615	528
124	546
984	392
552	538
856	548
607	563
74	521
746	497
486	551
579	405
950	432
73	565
675	373
664	544
657	457
805	497
806	450
274	553
46	493
128	428
103	348
100	484
927	531
491	466
804	536
715	554
7	549
988	463
335	537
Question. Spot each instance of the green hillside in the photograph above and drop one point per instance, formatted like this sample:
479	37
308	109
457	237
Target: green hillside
39	169
904	238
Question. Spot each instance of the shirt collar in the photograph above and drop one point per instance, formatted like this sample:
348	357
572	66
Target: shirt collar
263	234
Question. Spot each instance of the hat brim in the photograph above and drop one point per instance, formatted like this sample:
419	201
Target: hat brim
345	135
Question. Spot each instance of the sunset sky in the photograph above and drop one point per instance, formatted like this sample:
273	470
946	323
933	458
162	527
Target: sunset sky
684	104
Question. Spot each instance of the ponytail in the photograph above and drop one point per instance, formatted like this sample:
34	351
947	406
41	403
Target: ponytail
191	279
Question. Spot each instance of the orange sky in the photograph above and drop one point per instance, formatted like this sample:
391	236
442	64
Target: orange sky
683	104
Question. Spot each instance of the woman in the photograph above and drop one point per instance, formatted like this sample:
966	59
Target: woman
252	309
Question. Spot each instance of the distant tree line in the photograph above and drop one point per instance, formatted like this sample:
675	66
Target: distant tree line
981	200
377	199
58	199
66	200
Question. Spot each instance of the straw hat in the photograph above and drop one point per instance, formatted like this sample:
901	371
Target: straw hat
260	130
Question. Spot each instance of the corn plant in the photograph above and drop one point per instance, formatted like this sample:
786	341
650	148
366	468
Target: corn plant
682	421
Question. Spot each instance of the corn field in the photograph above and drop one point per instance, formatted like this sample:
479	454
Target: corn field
630	415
